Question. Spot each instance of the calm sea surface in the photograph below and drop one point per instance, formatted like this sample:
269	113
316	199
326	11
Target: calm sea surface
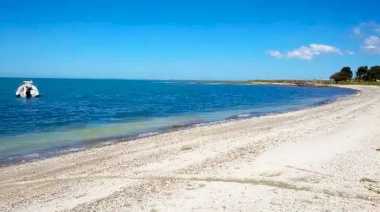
73	114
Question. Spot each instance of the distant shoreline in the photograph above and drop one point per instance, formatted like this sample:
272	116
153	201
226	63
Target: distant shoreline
308	83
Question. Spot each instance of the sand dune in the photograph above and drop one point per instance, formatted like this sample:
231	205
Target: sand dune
322	158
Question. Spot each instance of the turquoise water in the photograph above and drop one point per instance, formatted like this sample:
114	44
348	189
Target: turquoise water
72	114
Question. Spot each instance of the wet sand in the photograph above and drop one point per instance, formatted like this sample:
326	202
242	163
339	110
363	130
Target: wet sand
317	159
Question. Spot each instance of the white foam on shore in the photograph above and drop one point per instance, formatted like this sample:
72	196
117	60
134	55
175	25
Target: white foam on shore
148	134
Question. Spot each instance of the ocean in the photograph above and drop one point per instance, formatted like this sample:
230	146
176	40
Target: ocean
72	114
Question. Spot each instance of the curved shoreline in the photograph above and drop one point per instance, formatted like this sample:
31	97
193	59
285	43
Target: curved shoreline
102	142
306	160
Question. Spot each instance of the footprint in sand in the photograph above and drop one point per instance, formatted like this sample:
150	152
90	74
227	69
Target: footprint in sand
371	185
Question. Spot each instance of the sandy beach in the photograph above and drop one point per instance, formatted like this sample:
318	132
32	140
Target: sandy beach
325	158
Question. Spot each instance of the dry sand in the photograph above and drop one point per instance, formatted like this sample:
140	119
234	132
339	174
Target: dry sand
325	158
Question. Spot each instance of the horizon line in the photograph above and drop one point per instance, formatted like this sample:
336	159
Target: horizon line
139	79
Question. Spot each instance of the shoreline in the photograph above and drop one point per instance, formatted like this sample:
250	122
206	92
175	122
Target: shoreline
300	83
103	142
307	160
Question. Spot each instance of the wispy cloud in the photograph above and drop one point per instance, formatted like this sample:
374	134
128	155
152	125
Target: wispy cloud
275	54
306	52
370	33
372	44
350	52
366	28
377	30
356	30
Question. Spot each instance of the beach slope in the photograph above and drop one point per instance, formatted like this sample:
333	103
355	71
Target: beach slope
321	158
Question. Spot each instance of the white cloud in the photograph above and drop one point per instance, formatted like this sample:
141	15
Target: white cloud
306	52
303	53
275	54
369	32
372	44
325	48
349	52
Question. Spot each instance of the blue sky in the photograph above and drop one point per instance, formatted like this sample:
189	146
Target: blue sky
221	40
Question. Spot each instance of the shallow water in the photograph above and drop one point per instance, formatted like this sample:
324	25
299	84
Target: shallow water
78	113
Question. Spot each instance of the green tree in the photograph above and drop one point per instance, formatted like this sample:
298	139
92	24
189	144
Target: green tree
362	72
374	73
339	76
346	71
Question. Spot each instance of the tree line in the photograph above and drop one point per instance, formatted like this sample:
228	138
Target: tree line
363	73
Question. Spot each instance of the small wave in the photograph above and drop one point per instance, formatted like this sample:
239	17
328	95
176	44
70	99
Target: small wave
70	150
147	134
209	123
244	116
34	155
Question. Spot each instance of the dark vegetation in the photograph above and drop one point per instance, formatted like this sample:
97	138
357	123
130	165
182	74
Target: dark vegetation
363	74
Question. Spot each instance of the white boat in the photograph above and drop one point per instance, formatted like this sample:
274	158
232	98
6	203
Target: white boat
27	90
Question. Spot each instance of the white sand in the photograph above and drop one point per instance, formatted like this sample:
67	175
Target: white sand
318	159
